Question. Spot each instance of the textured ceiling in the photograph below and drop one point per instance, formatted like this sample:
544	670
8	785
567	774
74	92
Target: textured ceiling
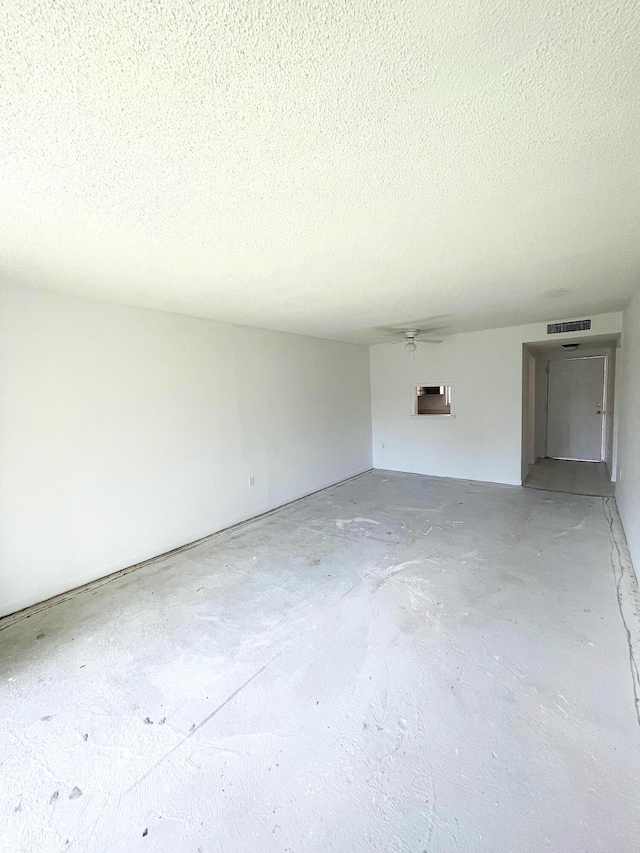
324	167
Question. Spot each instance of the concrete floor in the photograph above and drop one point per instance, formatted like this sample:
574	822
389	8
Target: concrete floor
401	664
576	478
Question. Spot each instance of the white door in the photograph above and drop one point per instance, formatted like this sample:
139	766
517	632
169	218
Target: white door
575	410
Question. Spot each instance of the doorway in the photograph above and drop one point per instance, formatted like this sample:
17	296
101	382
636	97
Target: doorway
568	434
576	395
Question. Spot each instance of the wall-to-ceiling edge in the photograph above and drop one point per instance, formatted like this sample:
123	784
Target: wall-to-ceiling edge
488	369
126	432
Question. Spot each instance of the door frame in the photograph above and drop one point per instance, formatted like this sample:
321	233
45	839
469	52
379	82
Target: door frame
605	396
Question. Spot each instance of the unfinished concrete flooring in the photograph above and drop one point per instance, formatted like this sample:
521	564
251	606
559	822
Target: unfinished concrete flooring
576	478
399	664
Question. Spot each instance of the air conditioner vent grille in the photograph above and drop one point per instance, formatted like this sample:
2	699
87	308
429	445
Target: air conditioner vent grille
571	326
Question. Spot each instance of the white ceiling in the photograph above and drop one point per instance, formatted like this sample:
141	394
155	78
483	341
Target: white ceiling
324	168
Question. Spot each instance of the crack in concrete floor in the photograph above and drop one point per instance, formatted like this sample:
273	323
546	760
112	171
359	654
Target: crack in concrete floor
317	685
627	598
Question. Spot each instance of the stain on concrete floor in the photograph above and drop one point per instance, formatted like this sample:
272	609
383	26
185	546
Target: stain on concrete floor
402	663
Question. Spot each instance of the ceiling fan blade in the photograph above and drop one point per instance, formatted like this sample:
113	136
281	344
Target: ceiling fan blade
428	340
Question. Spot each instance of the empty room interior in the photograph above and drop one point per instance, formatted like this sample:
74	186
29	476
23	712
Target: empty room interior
319	426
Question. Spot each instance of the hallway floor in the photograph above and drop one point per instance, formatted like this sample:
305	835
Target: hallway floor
399	664
576	478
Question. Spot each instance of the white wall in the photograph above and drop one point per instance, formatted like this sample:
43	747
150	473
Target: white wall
125	432
529	410
483	441
628	485
540	404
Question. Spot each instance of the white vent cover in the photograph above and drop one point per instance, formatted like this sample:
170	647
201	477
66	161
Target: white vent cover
571	326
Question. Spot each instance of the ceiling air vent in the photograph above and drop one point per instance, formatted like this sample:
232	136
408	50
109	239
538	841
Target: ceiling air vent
571	326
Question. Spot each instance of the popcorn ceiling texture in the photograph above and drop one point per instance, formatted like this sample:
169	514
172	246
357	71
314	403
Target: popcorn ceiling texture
324	168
